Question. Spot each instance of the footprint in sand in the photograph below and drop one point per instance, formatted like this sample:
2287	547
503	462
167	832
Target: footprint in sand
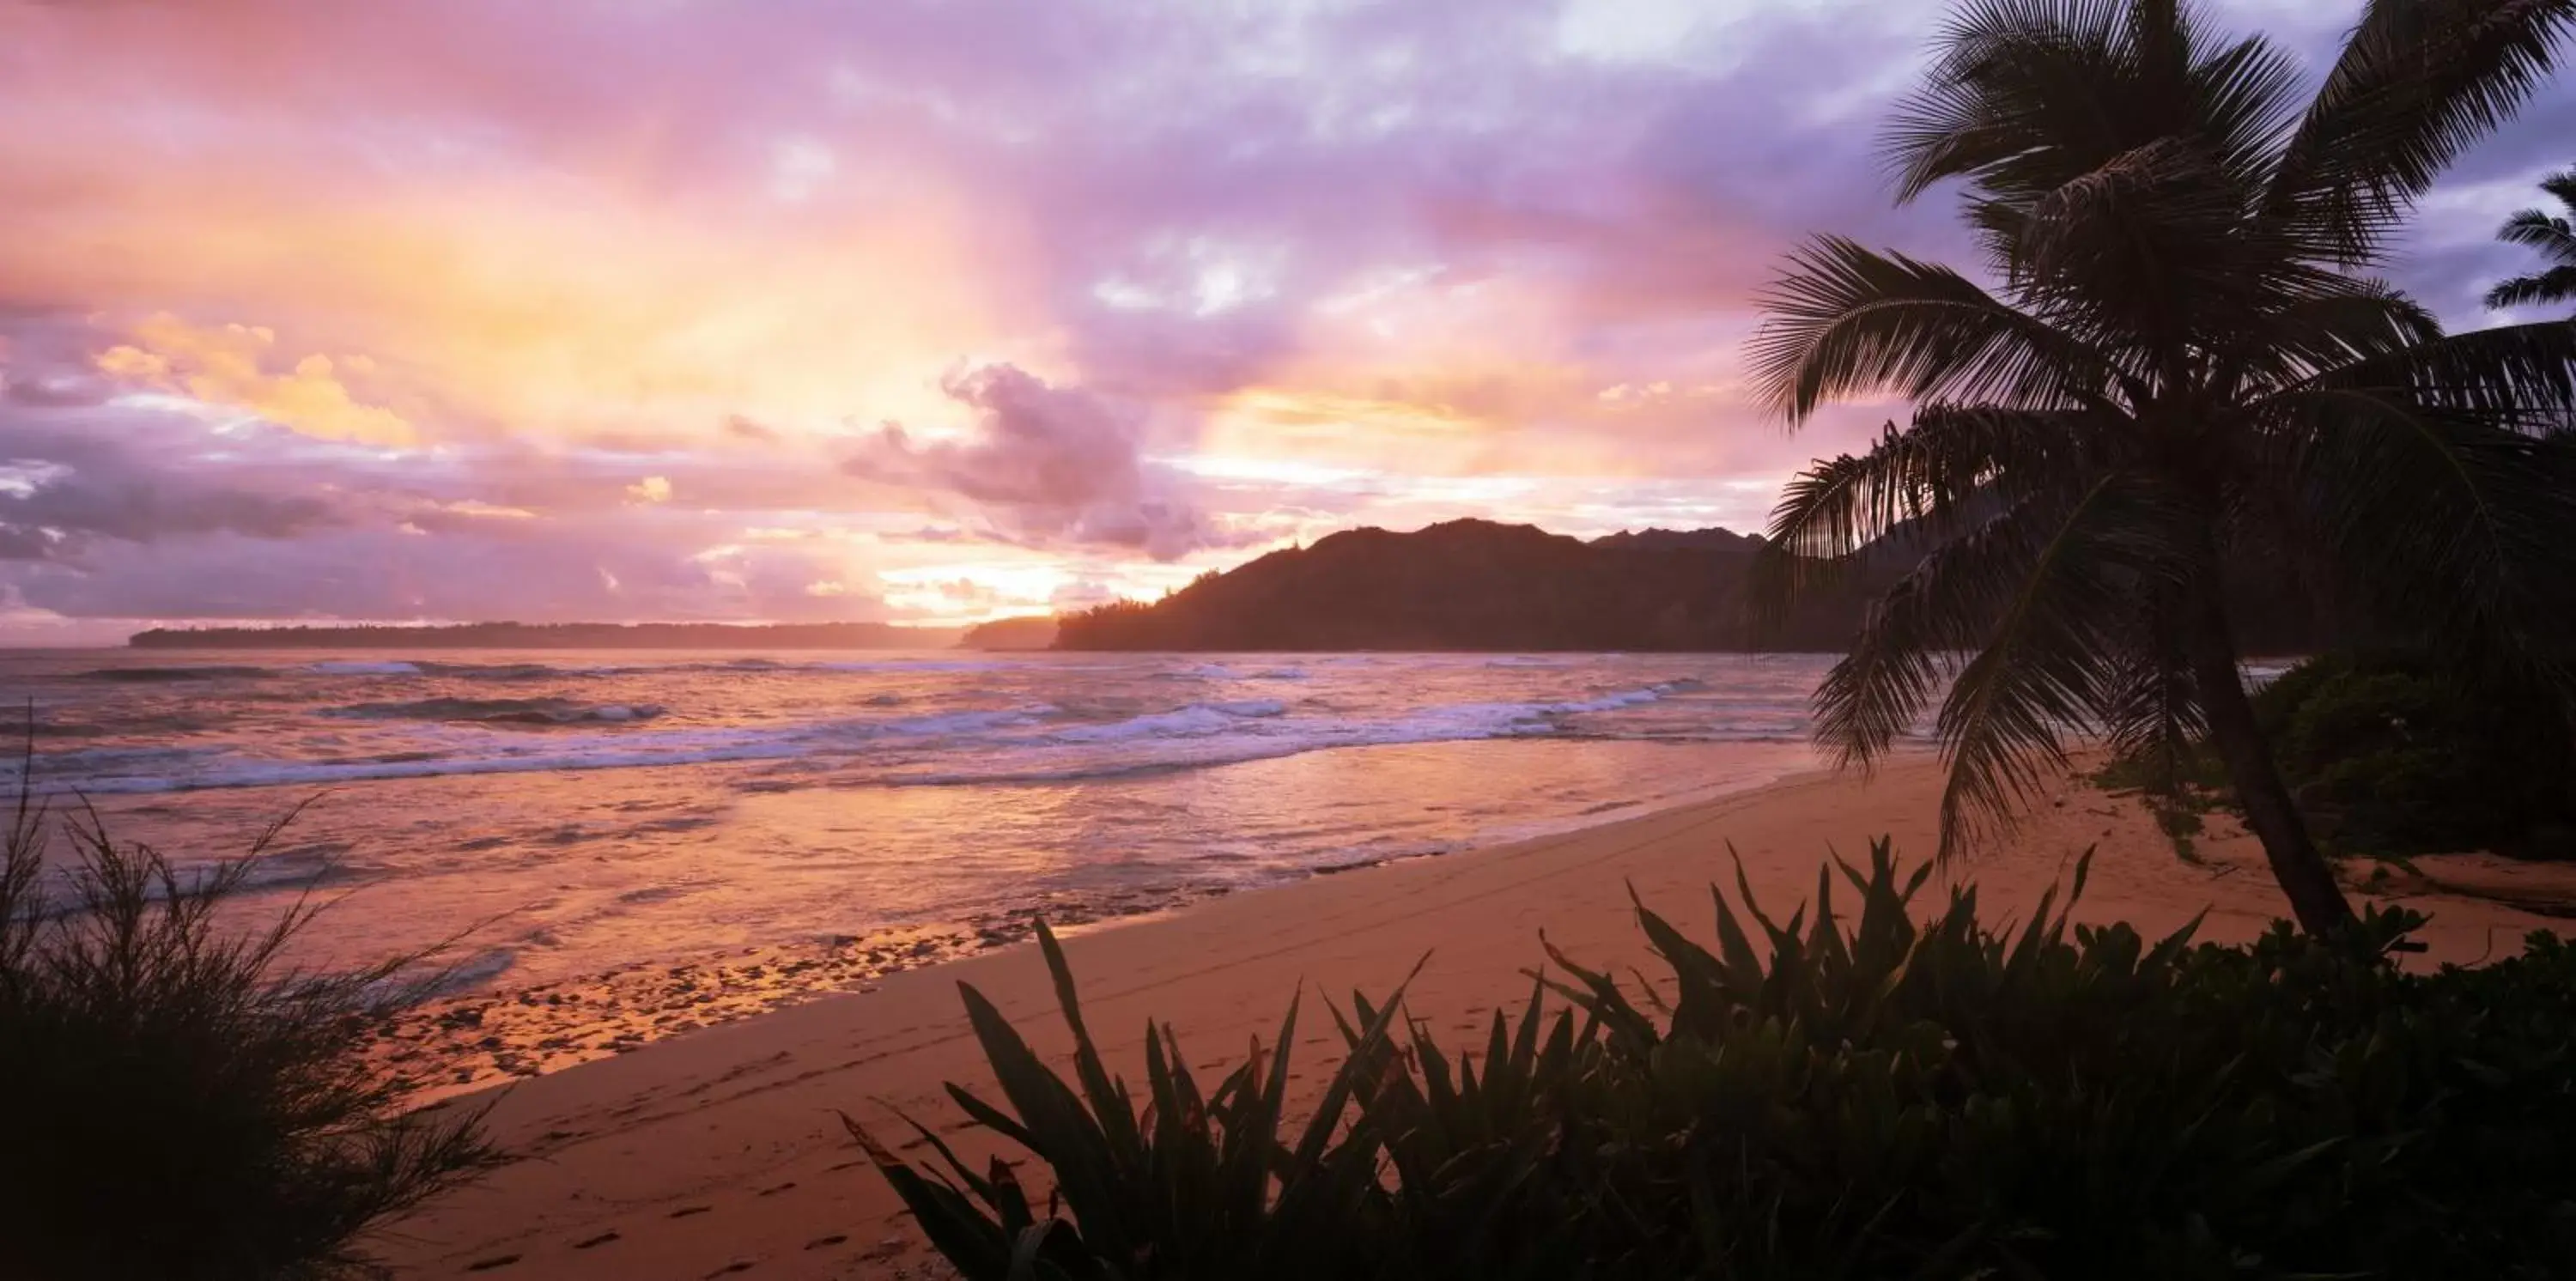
602	1239
687	1210
496	1261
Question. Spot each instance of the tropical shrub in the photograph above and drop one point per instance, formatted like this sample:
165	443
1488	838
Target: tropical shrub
1891	1093
179	1101
2408	757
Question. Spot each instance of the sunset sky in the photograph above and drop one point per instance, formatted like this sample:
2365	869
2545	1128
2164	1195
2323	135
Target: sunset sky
892	309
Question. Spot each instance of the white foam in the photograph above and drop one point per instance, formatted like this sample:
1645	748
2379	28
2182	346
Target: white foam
364	668
994	744
1194	720
941	665
1211	734
477	750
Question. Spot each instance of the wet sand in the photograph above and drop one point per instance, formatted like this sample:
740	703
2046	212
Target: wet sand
720	1153
459	1045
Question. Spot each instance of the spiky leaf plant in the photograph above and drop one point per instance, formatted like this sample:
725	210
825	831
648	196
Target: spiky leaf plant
1898	1089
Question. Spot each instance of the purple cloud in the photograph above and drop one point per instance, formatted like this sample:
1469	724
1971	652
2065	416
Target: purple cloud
1047	465
1287	266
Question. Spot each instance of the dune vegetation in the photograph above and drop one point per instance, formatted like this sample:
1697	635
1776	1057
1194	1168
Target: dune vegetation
1871	1090
181	1102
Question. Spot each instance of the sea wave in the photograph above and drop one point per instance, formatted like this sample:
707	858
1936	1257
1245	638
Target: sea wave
508	671
915	665
1029	741
149	675
1206	735
540	712
132	770
363	667
1192	721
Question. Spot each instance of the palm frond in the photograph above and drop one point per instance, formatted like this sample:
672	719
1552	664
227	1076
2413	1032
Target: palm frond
1912	637
1843	320
2247	98
2562	186
2533	229
1926	472
1918	631
1954	466
2419	82
2150	708
2015	81
2556	285
2446	525
2039	674
2319	322
2164	190
2516	377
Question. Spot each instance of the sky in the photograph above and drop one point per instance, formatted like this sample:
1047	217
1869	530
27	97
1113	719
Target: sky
919	311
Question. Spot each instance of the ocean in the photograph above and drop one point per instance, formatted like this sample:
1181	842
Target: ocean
619	845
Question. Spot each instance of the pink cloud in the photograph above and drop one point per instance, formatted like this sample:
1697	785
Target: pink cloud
322	286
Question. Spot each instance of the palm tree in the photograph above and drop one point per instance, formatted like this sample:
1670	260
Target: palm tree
2184	366
2556	241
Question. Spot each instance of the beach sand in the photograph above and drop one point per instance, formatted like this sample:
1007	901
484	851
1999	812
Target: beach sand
720	1153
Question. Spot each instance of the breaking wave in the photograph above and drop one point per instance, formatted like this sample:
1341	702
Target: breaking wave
506	711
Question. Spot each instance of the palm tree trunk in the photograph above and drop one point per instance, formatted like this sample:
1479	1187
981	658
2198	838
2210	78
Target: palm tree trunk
2269	813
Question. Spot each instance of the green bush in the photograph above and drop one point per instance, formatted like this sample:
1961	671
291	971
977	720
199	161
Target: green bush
2396	755
1875	1095
180	1102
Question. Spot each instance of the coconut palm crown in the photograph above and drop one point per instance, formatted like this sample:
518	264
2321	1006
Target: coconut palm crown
2555	241
2182	365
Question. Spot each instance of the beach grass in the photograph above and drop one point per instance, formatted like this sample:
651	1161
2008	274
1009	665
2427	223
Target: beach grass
180	1101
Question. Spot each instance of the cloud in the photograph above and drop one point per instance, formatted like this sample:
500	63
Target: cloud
121	501
228	365
316	307
1054	465
71	478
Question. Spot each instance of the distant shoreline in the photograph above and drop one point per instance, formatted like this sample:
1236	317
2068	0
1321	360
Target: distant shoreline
557	636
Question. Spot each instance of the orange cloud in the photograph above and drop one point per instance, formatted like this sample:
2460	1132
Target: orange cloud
229	365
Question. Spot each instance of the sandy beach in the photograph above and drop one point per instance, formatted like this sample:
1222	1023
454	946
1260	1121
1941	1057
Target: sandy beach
720	1153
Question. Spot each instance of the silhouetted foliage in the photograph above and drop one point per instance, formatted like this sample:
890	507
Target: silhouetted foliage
1892	1093
1031	632
2185	366
1478	585
2550	236
180	1102
2394	754
1471	585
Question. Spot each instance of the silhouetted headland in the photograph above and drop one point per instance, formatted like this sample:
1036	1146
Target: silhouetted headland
1478	585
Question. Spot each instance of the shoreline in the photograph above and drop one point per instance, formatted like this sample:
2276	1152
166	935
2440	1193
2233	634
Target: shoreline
721	1151
481	1037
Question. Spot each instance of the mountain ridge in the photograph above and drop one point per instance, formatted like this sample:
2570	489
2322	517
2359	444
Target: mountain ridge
1476	585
